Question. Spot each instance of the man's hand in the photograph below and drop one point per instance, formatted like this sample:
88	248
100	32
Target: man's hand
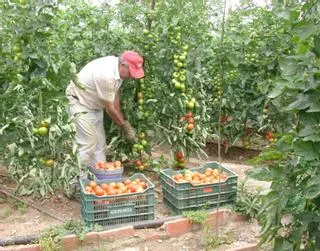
129	131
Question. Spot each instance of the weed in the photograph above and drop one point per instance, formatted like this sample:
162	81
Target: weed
212	241
50	240
248	201
199	217
19	205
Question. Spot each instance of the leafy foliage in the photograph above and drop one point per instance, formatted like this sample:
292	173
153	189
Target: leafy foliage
290	212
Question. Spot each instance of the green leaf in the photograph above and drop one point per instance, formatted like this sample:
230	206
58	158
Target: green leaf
308	30
303	48
306	130
305	149
301	103
271	155
312	189
260	173
285	142
288	66
278	89
316	40
314	107
281	244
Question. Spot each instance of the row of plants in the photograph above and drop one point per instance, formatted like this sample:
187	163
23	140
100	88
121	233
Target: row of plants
41	53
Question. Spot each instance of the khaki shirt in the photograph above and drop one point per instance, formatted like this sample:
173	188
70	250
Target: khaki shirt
99	81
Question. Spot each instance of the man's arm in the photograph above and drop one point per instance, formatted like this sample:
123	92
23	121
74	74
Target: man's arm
114	113
117	104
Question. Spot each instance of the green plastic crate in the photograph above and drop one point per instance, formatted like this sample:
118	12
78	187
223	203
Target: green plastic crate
185	196
118	209
179	211
186	190
200	201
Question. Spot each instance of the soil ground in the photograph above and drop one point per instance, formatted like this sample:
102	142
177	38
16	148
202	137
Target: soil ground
18	219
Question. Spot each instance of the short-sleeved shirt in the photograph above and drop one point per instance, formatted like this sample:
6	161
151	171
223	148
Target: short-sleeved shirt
98	82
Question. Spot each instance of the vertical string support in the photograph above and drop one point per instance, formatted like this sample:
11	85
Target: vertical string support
222	79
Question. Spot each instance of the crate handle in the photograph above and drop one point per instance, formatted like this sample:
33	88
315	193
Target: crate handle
207	189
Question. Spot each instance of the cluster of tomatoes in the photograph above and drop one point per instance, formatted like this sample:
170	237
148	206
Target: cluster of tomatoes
190	121
209	176
115	188
42	130
180	75
270	137
217	89
144	93
108	165
180	160
140	165
142	143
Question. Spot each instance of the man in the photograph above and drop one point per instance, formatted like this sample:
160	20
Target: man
97	89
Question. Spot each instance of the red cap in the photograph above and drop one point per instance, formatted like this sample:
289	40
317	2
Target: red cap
135	62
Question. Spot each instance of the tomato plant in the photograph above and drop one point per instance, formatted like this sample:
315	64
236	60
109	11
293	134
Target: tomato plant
290	211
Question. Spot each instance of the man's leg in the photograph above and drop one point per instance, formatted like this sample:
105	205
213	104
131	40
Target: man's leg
101	148
86	137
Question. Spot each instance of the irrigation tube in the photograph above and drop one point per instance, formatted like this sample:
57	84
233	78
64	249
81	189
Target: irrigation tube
30	239
19	240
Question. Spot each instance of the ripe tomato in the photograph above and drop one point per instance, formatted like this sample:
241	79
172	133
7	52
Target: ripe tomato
137	180
137	163
99	191
189	115
111	191
127	182
143	185
104	186
249	130
117	164
88	189
113	184
132	188
190	120
179	155
190	127
141	167
181	160
269	135
92	184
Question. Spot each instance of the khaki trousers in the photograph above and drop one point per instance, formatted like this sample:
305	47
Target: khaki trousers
90	134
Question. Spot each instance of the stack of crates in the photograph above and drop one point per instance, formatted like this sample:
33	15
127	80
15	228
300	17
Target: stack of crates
118	209
180	197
